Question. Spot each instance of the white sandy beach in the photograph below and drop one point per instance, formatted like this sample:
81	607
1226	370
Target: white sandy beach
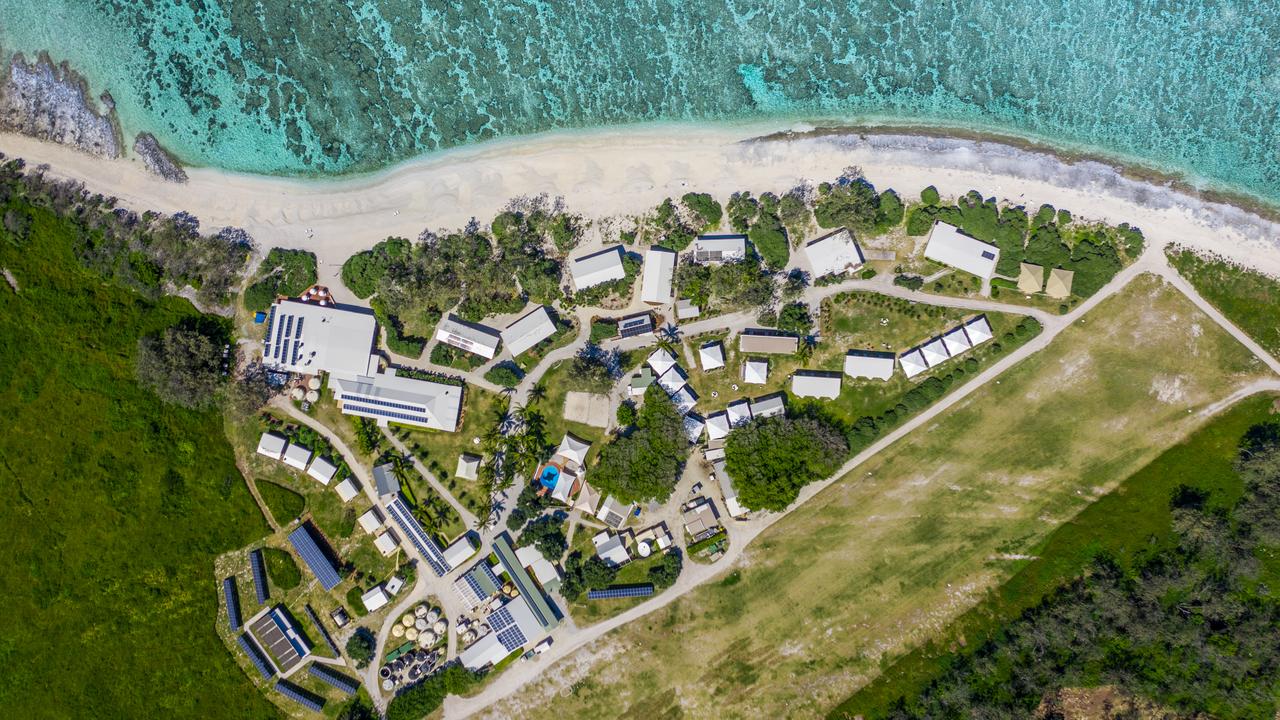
624	171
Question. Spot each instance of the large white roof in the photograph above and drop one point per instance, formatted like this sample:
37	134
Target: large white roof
804	384
529	330
711	355
949	247
868	364
768	406
573	449
389	398
717	425
659	267
978	330
672	380
956	341
271	445
472	337
934	352
719	248
297	456
459	551
912	362
739	412
375	598
310	338
755	370
835	252
596	268
661	361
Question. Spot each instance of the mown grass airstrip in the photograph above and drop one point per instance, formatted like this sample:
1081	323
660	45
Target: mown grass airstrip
886	559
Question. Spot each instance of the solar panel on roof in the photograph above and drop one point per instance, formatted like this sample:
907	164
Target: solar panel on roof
232	599
320	564
512	638
255	655
259	576
304	698
620	591
324	632
413	530
345	683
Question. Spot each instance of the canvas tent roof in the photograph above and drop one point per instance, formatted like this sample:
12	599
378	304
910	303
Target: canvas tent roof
1059	285
322	470
912	362
934	352
297	456
655	284
573	449
875	365
978	330
949	246
956	341
587	500
711	355
684	400
468	466
672	380
661	360
755	370
1029	277
739	412
271	445
717	425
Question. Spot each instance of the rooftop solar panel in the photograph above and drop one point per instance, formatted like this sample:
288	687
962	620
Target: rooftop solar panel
324	632
259	576
232	599
321	566
304	698
512	638
255	655
418	536
620	591
343	682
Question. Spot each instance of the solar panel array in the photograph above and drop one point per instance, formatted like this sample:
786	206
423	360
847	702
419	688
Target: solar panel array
255	654
343	682
413	529
620	591
259	576
321	566
504	625
324	632
304	698
232	599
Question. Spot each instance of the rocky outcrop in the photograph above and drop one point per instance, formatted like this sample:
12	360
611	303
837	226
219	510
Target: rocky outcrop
157	159
52	102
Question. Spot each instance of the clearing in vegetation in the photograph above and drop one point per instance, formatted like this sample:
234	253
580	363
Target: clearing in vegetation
882	560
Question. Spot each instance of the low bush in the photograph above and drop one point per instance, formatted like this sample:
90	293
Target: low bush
281	568
285	504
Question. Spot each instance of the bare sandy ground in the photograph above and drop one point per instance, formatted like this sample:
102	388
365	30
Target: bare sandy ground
626	171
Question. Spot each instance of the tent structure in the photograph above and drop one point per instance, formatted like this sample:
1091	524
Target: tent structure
956	341
1059	285
1030	277
755	370
711	355
978	330
912	363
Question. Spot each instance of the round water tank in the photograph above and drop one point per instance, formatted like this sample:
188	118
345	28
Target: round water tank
644	549
313	396
298	393
411	634
440	627
433	616
398	631
385	672
388	684
421	623
314	383
407	620
420	611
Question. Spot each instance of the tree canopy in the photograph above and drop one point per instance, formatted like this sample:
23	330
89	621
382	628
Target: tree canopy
183	364
645	463
771	459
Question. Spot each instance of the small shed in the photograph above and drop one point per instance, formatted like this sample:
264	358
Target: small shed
387	542
347	489
711	355
1059	285
1030	277
272	445
371	520
322	470
755	371
297	456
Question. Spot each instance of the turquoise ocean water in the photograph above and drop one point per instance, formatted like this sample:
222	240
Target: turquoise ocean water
329	87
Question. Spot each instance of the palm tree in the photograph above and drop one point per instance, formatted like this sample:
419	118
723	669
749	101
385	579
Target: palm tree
538	391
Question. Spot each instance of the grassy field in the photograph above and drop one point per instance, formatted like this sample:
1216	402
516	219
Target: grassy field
556	379
114	505
439	451
887	559
1248	298
850	321
1129	523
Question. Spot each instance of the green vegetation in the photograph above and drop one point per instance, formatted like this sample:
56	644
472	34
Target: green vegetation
705	207
910	282
398	340
1129	526
674	232
768	235
854	203
664	573
443	353
1188	622
794	318
646	462
362	644
183	364
626	414
615	290
581	575
504	374
726	287
547	534
602	329
356	603
771	459
282	272
285	505
115	504
281	568
1247	297
419	701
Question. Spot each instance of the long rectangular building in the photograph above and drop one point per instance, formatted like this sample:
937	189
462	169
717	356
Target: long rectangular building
472	337
304	542
528	331
417	536
659	269
388	397
308	338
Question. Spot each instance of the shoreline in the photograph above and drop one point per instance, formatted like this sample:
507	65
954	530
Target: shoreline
608	173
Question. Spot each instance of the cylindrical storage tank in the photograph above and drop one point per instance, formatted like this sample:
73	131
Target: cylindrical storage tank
428	637
421	624
385	672
420	611
314	383
398	631
411	634
433	616
440	626
388	684
313	396
407	620
298	393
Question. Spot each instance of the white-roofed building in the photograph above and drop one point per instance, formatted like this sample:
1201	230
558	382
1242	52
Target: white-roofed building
731	504
528	331
768	406
322	470
661	361
834	253
566	480
272	445
612	549
756	371
297	456
719	248
693	427
816	384
387	542
672	380
472	337
572	451
934	352
543	570
739	413
459	551
514	626
659	268
612	512
375	599
389	398
347	489
371	520
912	362
718	425
598	267
394	584
947	245
711	355
310	338
468	466
686	310
685	399
956	341
978	330
875	365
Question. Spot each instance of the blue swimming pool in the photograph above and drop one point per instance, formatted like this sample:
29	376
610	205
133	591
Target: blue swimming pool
550	474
